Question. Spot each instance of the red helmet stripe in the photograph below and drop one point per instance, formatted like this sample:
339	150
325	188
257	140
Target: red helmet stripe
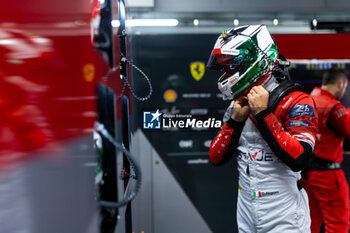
216	51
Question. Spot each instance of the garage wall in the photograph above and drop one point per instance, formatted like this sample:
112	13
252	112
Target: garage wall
239	6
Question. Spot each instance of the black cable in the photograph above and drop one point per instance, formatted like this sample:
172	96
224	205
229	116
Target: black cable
125	59
133	164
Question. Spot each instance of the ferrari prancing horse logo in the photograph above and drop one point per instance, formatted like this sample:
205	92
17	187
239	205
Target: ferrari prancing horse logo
197	70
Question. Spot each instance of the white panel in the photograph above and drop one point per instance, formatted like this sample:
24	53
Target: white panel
173	211
140	3
161	206
239	6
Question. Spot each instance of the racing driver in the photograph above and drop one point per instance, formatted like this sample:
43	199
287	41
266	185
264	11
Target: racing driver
270	127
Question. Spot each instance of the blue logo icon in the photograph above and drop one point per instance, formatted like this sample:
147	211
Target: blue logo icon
301	110
151	120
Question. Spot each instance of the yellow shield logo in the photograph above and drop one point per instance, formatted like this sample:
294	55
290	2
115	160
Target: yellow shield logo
197	70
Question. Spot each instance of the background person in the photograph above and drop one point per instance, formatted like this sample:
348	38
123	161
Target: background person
325	182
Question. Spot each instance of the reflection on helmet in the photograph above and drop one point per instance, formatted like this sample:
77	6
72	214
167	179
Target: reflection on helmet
246	54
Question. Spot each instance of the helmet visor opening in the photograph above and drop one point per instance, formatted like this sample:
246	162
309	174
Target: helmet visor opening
230	70
219	61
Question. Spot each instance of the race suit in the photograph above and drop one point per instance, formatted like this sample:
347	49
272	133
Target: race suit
271	149
325	183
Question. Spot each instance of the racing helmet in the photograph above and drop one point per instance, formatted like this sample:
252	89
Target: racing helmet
246	54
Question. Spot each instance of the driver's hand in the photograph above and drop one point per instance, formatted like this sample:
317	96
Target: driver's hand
258	99
241	109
